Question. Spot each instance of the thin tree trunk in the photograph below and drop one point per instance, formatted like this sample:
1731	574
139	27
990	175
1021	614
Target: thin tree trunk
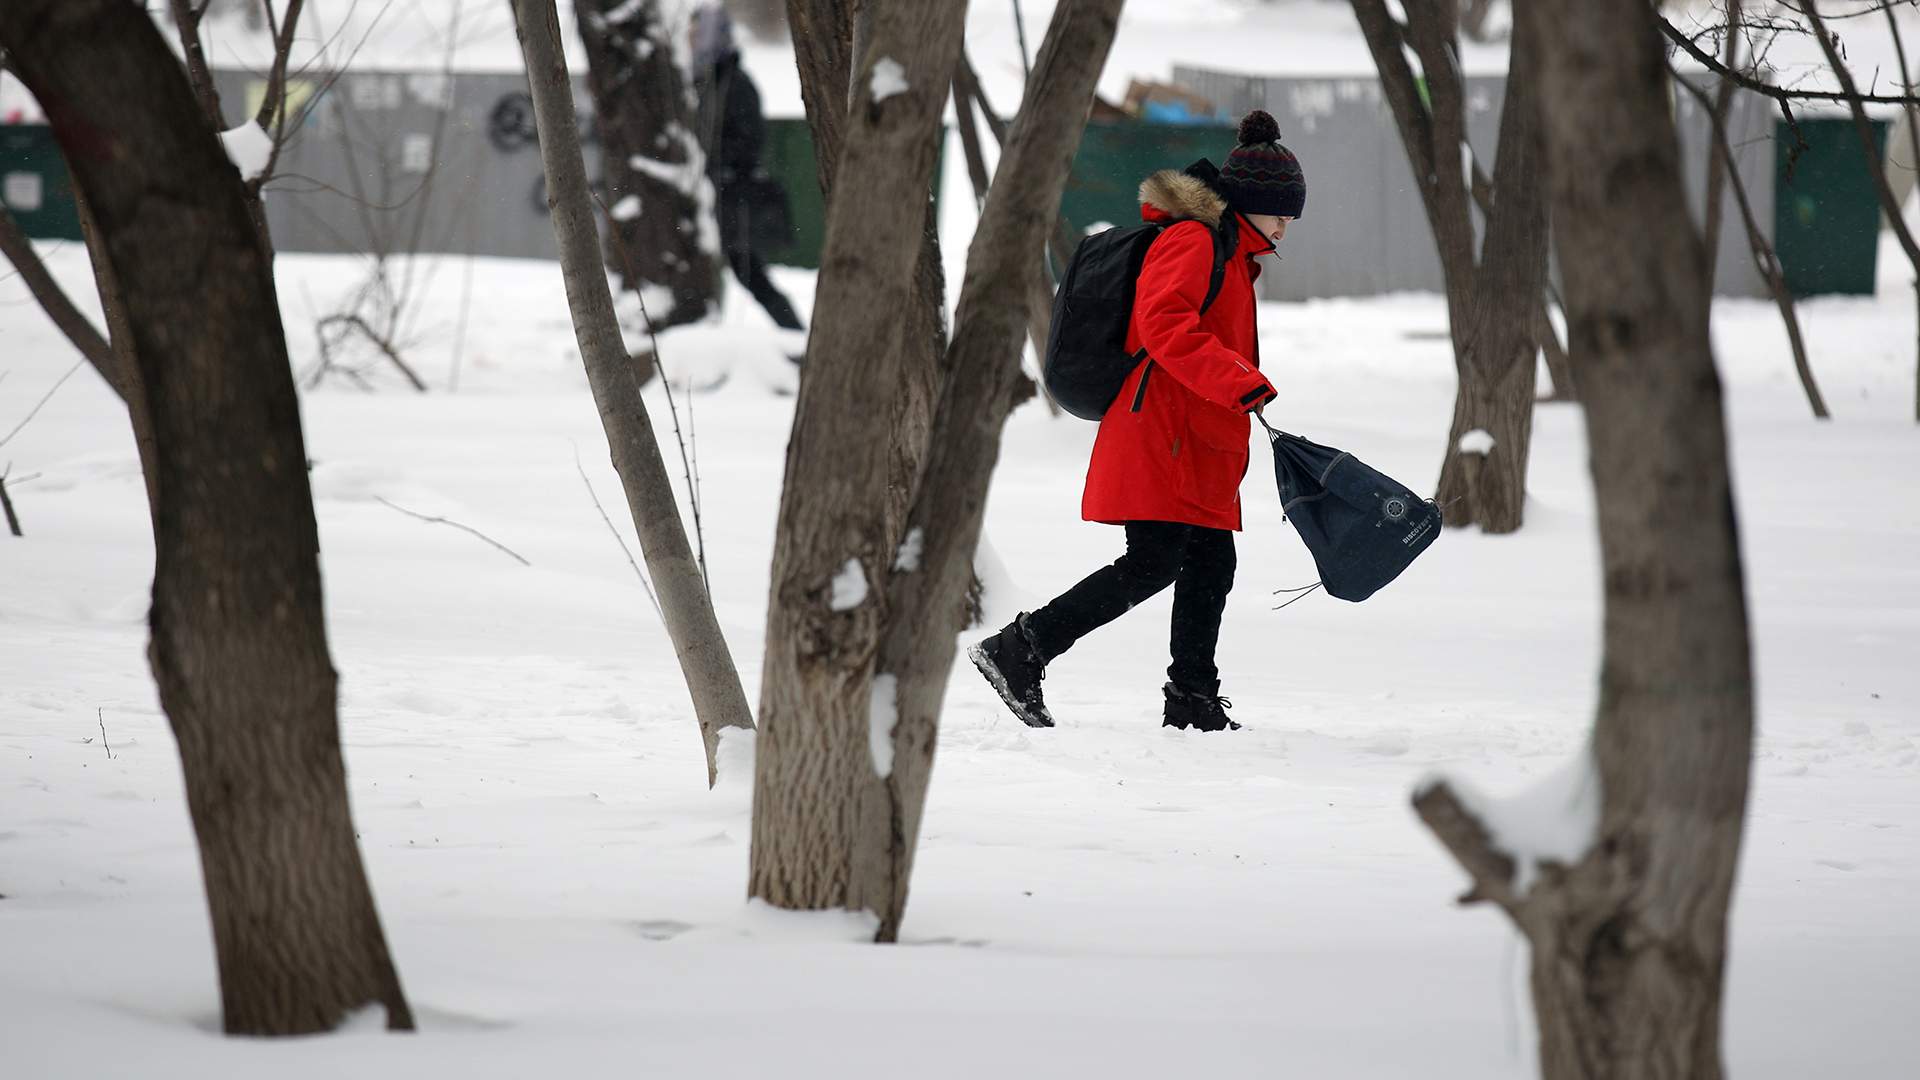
1629	943
1718	164
1888	204
826	56
1491	307
649	153
718	700
1764	260
816	841
916	652
1495	350
966	96
239	644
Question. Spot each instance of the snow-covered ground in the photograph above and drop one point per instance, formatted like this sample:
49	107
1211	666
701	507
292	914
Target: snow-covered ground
563	895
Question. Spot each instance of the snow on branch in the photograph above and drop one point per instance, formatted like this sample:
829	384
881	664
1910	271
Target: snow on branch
1502	843
249	147
889	78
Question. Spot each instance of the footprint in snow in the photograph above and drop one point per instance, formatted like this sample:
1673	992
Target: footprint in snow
661	929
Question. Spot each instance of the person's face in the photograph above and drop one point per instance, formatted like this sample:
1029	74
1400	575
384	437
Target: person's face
1271	226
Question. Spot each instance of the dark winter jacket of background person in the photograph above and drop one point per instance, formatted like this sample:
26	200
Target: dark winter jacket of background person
750	204
1174	445
732	127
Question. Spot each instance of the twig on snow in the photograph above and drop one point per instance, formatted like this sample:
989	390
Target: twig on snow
101	715
464	528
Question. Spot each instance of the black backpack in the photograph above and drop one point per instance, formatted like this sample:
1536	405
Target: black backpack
1087	360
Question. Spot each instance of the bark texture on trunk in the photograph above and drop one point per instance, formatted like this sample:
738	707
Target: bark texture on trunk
113	305
943	529
812	844
239	646
1492	300
712	681
826	54
1629	943
1495	352
649	152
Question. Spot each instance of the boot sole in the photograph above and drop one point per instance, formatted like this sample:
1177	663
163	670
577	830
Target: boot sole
991	673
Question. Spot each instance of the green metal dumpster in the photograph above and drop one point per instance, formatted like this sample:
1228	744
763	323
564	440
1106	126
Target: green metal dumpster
34	183
1826	211
788	158
1104	185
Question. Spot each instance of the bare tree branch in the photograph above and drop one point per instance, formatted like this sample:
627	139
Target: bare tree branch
431	520
1895	219
1467	838
617	538
186	21
44	398
1847	94
53	300
1764	259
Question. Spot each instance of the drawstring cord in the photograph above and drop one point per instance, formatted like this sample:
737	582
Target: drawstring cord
1301	593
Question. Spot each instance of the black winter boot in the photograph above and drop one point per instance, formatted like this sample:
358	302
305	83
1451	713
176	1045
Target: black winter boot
1199	711
1014	667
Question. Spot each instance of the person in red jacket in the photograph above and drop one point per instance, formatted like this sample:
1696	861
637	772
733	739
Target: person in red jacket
1173	446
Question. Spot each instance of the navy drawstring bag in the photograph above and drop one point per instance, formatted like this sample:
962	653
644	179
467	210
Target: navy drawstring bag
1362	526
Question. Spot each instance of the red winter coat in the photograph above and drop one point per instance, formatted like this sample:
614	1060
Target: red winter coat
1174	445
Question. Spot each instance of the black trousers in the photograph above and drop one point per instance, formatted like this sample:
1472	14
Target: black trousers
1197	561
736	243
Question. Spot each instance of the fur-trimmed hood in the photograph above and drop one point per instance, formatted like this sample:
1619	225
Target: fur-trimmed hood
1174	192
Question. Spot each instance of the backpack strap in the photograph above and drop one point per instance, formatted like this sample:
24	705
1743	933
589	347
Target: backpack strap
1226	238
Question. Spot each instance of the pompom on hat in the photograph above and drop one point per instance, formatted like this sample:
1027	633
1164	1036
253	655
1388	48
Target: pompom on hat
1261	176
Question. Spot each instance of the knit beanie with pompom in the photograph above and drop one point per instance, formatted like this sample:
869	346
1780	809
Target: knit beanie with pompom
1261	176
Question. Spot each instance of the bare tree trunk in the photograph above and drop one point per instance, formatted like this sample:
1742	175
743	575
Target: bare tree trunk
667	236
1629	943
827	55
718	700
1491	307
917	648
1888	204
816	842
1496	352
1718	165
239	645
